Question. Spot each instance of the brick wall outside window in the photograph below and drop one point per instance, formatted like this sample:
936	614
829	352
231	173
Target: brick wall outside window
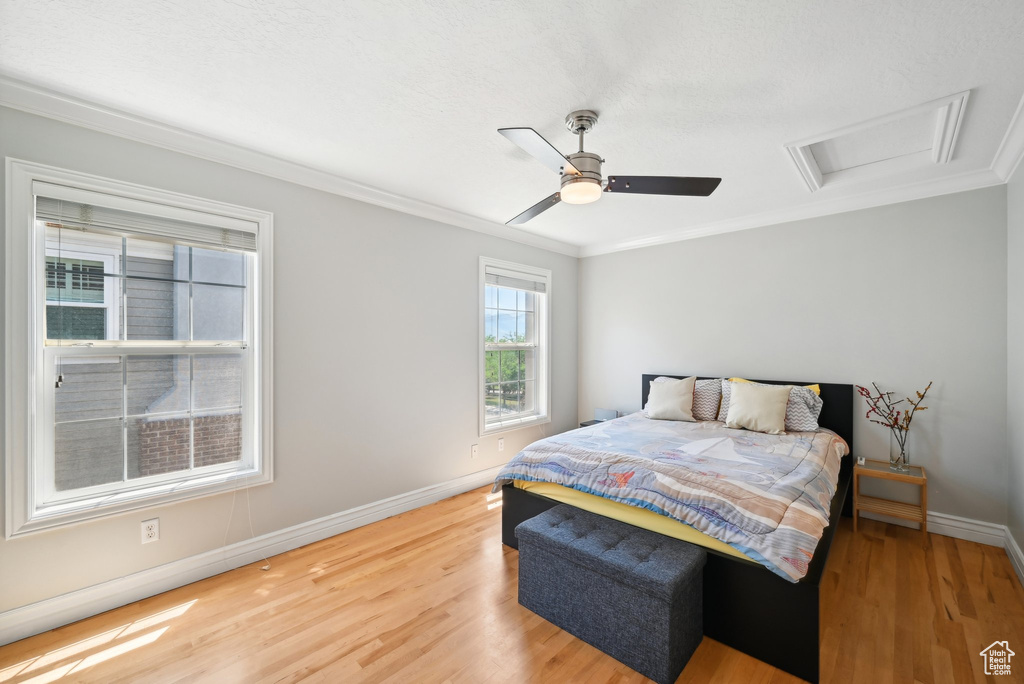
163	444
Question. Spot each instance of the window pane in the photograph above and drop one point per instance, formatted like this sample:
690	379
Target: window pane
490	325
211	266
157	445
88	453
217	312
526	326
151	259
71	240
510	363
526	301
76	323
157	310
218	438
491	366
529	397
158	384
506	298
528	367
90	390
492	402
490	296
74	280
216	381
506	326
510	398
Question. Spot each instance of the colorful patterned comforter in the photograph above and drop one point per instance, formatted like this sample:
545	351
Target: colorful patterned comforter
766	495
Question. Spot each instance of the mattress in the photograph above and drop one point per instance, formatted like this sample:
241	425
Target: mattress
767	497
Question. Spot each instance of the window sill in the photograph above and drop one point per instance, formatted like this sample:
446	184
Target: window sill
515	424
60	514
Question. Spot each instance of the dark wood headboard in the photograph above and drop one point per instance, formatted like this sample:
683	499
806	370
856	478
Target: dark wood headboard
836	402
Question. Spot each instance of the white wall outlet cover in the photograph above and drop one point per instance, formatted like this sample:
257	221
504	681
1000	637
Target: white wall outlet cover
150	530
501	444
474	451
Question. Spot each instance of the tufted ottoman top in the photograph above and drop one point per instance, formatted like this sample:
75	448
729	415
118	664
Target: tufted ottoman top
645	560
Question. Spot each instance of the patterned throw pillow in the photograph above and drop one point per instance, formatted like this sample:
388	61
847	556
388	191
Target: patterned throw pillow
802	411
707	394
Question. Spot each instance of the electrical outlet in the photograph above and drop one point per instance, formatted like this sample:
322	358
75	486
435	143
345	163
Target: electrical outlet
501	444
150	530
474	451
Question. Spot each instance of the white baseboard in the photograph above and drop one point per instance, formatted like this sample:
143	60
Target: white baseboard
971	530
60	610
1016	555
965	528
953	526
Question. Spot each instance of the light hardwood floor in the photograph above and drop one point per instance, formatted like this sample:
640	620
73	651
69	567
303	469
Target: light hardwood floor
430	596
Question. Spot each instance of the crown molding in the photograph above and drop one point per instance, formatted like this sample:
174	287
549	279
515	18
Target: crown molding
34	99
971	180
1011	149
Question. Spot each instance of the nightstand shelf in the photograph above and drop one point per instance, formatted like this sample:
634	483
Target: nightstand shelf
894	509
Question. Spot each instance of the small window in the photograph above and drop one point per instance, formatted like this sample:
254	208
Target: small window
146	364
514	325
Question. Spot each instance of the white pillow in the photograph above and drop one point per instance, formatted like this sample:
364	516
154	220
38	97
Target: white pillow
761	408
707	396
671	400
801	413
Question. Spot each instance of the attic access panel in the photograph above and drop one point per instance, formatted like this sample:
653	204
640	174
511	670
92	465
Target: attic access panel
915	137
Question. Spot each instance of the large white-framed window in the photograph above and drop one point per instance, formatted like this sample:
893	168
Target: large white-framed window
515	359
139	366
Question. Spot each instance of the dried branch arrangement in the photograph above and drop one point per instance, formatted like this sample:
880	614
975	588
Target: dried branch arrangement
891	413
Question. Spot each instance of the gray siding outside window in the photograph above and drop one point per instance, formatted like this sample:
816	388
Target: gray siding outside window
89	435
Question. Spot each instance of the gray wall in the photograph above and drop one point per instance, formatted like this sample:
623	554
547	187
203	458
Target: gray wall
900	295
1015	350
375	360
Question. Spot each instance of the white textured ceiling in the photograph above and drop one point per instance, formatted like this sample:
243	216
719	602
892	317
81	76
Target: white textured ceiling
407	96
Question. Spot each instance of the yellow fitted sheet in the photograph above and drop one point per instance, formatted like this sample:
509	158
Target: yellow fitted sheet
639	517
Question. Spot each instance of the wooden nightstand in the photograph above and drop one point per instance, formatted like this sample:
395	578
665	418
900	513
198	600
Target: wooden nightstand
894	509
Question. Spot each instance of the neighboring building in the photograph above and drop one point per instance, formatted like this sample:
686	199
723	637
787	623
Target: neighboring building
152	395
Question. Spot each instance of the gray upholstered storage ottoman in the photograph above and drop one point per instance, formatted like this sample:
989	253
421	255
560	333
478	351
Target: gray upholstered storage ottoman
632	593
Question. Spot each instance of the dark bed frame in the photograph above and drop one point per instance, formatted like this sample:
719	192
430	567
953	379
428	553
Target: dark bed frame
746	606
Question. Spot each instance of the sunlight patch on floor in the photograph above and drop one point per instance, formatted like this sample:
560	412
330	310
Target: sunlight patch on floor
56	657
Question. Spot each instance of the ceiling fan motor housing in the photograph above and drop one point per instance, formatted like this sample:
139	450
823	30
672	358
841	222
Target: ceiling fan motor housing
587	163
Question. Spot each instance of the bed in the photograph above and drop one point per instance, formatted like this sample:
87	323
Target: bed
755	604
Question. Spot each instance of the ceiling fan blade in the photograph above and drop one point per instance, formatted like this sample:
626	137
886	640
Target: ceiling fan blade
535	210
534	144
663	185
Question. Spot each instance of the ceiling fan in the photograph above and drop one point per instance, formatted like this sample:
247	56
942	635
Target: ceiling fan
581	172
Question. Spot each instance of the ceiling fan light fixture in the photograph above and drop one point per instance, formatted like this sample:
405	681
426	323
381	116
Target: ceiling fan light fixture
581	190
